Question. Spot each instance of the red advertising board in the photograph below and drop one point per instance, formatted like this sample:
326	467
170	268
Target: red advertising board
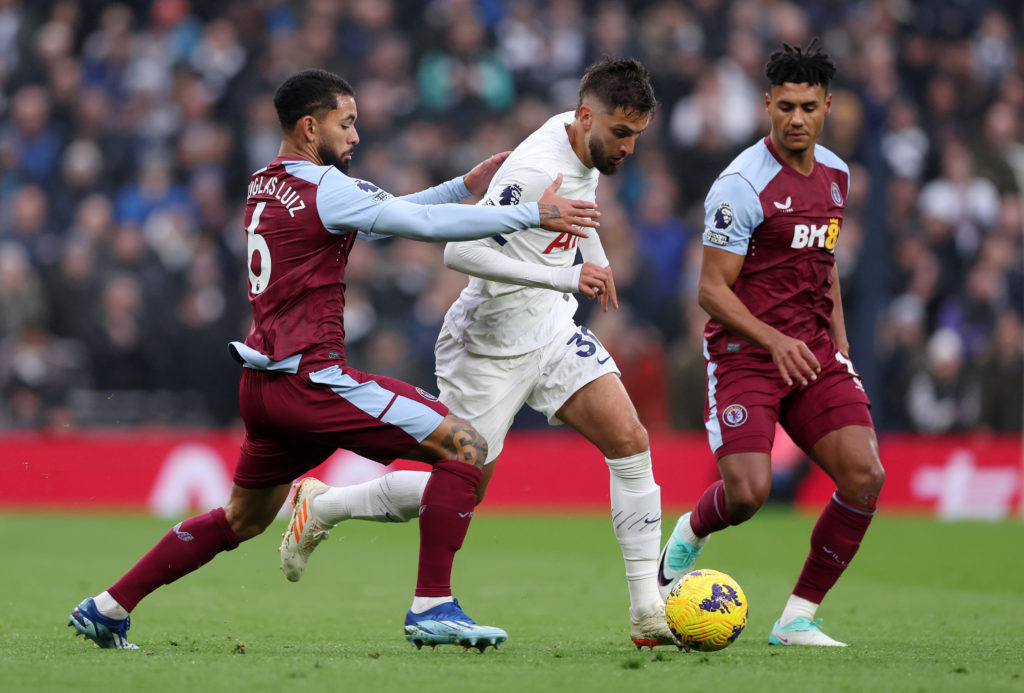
173	472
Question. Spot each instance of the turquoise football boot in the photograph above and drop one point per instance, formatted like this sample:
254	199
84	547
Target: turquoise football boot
678	557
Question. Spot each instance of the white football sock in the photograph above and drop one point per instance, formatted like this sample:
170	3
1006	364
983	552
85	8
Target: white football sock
394	497
421	604
636	519
109	607
797	606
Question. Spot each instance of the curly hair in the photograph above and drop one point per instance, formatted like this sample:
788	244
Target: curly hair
810	65
619	83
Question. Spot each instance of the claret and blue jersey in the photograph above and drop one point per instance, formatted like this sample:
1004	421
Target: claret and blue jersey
787	226
301	220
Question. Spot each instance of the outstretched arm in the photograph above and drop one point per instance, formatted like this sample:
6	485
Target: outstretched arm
450	191
473	183
454	222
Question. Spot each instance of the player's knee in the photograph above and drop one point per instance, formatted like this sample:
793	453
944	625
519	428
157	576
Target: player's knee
866	484
464	443
876	478
862	483
628	440
247	526
743	510
743	501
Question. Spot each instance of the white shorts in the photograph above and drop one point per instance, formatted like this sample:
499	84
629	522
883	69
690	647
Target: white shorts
488	391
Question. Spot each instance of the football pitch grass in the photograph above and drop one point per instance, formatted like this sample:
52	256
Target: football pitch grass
926	606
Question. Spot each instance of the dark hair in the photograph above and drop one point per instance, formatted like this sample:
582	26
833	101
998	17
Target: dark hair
619	82
809	65
309	92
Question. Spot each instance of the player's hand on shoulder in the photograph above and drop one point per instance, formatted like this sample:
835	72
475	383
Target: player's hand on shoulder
480	175
564	215
794	359
598	282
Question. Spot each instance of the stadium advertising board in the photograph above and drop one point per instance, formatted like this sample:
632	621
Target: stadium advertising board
171	473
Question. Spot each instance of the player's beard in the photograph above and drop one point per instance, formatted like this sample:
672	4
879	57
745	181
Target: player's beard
332	158
600	158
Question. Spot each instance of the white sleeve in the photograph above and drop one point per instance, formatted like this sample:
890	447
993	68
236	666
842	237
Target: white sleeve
592	250
479	259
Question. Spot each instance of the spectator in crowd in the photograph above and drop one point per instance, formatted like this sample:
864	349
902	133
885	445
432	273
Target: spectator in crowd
22	294
900	352
943	395
1001	377
36	372
972	312
29	129
122	357
463	77
961	200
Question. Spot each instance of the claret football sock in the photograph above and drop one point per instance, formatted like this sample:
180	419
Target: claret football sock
834	542
710	514
189	545
445	513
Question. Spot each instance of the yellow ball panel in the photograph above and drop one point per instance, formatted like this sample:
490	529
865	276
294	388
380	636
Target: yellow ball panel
707	610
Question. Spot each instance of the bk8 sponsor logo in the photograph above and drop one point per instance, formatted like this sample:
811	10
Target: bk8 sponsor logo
817	235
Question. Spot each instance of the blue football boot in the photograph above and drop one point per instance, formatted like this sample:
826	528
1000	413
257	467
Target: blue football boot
108	633
448	624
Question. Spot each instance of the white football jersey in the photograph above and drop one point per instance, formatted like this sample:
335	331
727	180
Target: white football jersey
499	319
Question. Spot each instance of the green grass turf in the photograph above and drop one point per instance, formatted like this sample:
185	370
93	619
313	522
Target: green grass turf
926	606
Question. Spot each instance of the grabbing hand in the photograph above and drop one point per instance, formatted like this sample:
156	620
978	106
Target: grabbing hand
480	176
563	215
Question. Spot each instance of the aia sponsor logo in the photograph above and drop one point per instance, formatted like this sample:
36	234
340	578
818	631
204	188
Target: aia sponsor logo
734	415
564	241
824	236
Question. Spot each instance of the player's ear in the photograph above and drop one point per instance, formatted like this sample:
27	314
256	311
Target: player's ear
585	116
828	103
768	100
309	127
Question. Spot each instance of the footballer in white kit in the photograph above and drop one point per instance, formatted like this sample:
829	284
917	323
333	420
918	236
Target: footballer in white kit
510	338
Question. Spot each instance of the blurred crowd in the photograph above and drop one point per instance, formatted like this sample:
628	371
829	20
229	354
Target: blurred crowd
128	132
